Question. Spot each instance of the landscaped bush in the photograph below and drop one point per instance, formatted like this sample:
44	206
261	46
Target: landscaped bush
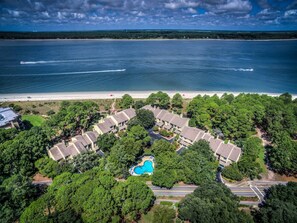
155	129
165	133
167	203
50	112
232	172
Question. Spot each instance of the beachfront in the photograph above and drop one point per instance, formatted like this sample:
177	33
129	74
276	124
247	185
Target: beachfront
111	95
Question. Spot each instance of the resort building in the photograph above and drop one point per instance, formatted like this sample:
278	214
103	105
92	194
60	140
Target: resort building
168	120
225	153
87	141
115	123
106	125
9	118
77	145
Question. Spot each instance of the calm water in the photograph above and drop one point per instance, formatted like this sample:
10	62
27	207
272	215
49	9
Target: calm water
147	167
97	65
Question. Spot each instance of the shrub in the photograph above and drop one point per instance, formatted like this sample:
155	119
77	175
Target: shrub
165	133
167	203
232	172
155	129
50	112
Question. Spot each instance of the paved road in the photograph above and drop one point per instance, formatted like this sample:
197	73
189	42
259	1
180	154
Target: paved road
181	191
178	191
255	189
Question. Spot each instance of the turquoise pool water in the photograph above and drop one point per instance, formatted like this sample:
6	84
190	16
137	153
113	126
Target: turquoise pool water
147	167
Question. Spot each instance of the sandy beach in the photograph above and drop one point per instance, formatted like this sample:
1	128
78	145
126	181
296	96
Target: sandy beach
109	95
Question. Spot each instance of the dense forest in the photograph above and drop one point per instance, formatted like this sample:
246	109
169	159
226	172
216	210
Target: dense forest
236	119
151	34
94	188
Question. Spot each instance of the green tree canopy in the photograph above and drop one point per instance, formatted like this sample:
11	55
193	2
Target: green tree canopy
17	156
85	161
177	101
164	214
280	205
73	117
212	202
139	133
48	167
146	118
7	134
93	196
16	193
283	156
162	146
123	154
126	101
159	99
106	141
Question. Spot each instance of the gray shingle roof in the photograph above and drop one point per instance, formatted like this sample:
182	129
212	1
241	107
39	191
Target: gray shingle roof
167	117
56	154
207	136
161	114
120	117
214	144
225	150
7	115
178	121
235	154
93	135
106	125
81	139
79	146
103	127
148	107
65	151
72	150
200	134
130	112
109	122
190	133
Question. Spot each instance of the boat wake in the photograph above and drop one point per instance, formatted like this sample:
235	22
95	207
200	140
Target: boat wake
239	69
67	73
53	61
243	69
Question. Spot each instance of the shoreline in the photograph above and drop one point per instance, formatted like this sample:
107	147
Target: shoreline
153	39
57	96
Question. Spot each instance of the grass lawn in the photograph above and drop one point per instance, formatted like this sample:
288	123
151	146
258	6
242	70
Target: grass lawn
261	160
35	120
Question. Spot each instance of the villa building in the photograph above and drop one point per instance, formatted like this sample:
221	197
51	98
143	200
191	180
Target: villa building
168	120
106	125
77	145
9	118
225	153
87	141
114	123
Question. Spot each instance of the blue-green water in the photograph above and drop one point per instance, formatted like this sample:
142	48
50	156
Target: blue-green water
147	167
98	65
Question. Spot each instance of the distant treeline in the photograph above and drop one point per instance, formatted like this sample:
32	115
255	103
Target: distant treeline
151	34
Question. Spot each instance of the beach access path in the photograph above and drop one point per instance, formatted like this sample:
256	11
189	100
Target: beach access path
111	95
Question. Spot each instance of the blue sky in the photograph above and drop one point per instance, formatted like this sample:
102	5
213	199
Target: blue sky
53	15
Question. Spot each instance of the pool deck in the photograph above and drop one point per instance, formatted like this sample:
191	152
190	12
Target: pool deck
145	158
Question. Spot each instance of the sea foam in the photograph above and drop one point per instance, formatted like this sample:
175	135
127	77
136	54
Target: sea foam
65	73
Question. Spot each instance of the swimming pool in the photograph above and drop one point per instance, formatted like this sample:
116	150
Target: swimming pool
147	167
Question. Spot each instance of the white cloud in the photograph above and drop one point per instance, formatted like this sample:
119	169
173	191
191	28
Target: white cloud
191	10
181	4
235	6
291	12
45	14
14	13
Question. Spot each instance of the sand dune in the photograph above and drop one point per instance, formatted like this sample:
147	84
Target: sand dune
106	95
